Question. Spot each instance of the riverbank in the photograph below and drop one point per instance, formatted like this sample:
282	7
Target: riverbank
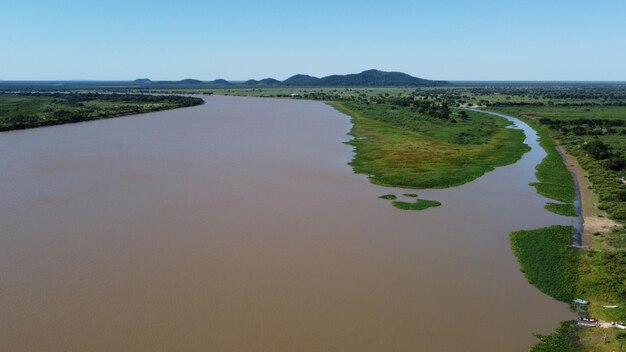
30	110
594	219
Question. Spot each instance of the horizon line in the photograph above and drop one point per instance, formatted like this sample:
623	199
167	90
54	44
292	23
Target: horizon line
243	80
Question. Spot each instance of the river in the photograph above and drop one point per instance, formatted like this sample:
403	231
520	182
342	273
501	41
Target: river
239	226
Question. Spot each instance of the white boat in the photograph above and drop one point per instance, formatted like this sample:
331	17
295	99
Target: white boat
591	320
580	301
610	307
588	325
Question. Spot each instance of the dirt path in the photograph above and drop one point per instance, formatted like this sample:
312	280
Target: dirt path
609	325
594	219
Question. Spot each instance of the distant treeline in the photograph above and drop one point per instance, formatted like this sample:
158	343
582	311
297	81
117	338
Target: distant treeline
28	110
550	103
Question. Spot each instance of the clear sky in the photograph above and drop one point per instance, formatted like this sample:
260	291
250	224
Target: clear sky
238	39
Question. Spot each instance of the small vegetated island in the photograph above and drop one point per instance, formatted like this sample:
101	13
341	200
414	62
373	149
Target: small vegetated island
28	110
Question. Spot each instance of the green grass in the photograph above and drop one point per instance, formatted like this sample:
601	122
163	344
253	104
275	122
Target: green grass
555	181
19	111
617	238
410	195
388	197
419	204
425	156
564	339
565	273
602	281
567	209
602	340
547	260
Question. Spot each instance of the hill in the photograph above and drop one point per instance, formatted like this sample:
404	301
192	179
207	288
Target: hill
187	81
270	82
301	81
376	78
369	78
190	81
220	82
142	81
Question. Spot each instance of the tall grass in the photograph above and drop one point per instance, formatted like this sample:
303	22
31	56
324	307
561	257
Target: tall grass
425	157
547	260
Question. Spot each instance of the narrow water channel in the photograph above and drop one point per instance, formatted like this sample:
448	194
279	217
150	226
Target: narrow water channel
576	222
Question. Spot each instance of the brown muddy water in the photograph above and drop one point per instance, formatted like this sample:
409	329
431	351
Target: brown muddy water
239	226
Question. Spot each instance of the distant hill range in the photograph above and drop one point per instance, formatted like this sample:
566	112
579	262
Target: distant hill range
369	78
187	81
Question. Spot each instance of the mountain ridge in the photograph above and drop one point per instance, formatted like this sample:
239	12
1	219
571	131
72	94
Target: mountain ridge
367	78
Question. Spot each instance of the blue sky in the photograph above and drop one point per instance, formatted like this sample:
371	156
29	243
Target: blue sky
454	40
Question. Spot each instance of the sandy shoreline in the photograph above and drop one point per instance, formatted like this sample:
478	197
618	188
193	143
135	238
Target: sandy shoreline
594	219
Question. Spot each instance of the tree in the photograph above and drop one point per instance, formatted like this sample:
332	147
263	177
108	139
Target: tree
616	163
597	149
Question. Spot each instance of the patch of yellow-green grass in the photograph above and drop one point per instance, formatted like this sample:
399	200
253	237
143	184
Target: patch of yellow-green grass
395	156
602	340
602	281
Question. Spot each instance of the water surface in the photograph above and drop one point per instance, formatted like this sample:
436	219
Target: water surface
238	226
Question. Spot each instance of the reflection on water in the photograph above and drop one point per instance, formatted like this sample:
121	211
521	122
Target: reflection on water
238	226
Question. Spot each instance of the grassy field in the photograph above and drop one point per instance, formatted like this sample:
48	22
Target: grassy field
19	111
565	273
395	146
